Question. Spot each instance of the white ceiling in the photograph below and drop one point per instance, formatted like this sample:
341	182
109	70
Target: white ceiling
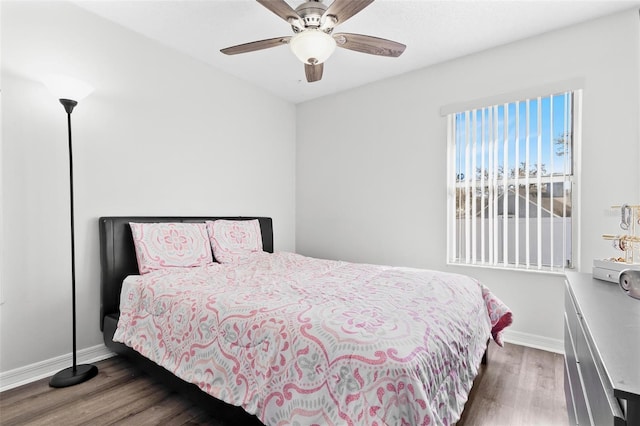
433	30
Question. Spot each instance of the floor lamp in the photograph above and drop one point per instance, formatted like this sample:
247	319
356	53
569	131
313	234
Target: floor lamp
69	91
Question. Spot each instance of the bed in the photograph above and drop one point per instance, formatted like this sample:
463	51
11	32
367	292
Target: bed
292	339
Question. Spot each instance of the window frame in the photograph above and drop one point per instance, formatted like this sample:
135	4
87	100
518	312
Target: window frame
575	88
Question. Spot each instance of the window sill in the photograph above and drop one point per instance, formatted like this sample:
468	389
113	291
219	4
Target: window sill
547	271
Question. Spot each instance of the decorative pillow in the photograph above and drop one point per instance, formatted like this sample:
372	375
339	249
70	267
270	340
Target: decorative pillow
234	240
170	245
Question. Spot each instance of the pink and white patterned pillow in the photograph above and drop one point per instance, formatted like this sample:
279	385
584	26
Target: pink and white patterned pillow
234	240
170	245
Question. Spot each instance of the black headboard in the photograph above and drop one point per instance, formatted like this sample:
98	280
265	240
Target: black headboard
118	257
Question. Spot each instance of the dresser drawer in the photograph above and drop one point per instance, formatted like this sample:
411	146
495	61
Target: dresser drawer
570	314
603	406
573	389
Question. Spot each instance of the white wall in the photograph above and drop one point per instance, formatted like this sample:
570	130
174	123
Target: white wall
161	135
165	134
371	185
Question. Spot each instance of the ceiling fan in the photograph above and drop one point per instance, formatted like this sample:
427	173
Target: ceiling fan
313	40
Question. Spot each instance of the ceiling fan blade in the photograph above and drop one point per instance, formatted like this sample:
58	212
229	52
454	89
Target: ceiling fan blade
283	10
256	45
313	72
369	44
345	9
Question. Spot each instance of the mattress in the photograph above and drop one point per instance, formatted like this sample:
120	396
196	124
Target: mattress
298	340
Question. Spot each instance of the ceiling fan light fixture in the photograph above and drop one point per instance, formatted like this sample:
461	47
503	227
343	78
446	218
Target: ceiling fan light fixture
312	46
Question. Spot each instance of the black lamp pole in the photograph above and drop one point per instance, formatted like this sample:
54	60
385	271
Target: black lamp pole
77	373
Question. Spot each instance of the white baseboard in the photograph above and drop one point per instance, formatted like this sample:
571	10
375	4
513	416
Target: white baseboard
534	341
47	368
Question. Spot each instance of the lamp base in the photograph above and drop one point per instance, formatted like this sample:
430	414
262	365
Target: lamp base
69	377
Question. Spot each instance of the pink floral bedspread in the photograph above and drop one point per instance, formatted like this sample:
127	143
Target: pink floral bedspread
297	340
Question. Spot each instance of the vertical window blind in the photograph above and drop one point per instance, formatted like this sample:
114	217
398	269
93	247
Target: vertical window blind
510	183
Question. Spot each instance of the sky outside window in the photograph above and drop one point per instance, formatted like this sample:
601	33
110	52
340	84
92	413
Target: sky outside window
549	121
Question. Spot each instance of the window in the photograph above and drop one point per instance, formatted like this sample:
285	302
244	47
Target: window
510	183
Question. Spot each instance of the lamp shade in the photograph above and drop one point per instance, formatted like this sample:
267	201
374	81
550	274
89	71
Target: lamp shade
65	87
312	46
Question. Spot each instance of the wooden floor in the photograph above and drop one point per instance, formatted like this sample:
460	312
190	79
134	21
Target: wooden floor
519	386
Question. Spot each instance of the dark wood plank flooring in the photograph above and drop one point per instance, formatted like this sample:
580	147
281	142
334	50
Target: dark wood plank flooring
519	386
